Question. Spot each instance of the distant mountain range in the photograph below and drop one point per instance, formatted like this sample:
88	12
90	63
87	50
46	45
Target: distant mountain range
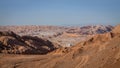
37	30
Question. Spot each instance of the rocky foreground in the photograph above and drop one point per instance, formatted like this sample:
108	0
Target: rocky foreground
100	51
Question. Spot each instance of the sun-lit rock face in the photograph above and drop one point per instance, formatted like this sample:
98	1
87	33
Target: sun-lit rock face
116	29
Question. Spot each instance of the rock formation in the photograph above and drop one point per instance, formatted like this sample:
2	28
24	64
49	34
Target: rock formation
14	44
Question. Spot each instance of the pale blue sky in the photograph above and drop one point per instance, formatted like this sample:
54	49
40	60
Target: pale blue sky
59	12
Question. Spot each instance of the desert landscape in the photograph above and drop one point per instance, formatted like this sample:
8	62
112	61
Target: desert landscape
59	33
33	46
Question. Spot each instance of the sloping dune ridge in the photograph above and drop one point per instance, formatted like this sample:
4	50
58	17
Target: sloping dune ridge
100	51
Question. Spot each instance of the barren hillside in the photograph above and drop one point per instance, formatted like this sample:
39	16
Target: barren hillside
100	51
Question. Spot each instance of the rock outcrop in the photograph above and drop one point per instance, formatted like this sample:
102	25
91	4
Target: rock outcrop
14	44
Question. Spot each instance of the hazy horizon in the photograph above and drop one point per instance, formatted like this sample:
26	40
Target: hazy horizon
59	12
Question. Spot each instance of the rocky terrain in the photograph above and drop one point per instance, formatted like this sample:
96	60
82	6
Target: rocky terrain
12	43
61	35
99	51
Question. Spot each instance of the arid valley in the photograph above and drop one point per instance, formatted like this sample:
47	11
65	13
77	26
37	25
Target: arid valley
33	46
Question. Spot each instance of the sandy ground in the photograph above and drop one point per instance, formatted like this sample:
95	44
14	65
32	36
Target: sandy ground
25	61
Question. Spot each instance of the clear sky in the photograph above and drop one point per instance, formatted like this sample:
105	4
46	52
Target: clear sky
59	12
